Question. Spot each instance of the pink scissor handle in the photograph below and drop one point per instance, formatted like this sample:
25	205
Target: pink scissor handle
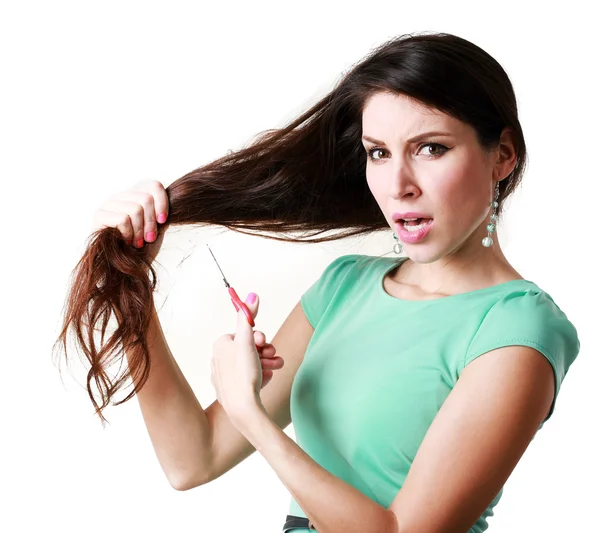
238	304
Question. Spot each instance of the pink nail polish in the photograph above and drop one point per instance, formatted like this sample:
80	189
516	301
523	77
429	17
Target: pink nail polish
251	298
150	236
162	218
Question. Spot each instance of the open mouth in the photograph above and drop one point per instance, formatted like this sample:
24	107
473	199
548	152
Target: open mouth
415	224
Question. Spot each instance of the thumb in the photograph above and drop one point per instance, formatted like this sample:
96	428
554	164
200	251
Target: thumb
244	332
252	303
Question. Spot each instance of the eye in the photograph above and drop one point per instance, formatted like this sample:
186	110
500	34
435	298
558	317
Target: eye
444	149
374	153
371	153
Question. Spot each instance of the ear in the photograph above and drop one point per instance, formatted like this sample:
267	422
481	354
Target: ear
506	155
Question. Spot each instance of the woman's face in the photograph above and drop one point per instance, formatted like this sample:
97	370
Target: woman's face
447	177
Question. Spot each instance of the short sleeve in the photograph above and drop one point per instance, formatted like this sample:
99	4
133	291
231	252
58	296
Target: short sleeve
529	318
318	297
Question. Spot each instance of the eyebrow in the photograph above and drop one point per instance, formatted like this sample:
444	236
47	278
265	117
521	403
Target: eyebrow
417	138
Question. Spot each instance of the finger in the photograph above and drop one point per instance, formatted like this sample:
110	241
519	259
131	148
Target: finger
161	198
272	364
144	215
114	219
268	350
134	211
259	338
267	376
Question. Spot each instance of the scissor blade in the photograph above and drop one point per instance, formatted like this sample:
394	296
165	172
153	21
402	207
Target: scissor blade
213	255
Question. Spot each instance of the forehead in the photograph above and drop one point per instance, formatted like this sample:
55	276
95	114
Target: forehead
397	114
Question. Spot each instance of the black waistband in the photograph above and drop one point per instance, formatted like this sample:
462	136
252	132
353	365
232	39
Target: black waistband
292	522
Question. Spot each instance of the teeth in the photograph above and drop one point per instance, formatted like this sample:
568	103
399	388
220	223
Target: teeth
415	228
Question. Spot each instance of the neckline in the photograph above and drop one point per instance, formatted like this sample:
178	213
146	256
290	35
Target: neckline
396	263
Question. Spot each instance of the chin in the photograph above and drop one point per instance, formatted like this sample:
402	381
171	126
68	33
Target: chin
431	251
422	254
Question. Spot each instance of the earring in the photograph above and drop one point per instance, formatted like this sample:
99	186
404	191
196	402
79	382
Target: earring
397	246
491	227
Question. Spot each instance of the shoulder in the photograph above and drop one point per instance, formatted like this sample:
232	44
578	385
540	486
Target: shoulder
343	264
526	311
527	316
337	281
355	266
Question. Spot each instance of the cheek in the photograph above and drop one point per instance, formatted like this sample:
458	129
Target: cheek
376	186
450	193
472	203
461	194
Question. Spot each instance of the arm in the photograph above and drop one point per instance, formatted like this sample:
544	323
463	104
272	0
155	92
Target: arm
476	440
195	446
470	449
229	446
176	423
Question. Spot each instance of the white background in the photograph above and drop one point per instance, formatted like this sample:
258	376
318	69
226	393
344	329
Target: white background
98	96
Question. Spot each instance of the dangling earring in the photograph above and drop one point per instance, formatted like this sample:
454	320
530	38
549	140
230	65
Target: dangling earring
397	246
491	227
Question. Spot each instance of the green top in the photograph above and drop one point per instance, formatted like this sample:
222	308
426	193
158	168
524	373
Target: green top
378	368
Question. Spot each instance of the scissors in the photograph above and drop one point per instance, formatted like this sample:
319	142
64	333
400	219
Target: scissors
235	299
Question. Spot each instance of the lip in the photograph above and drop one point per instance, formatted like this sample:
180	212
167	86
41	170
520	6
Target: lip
412	237
409	214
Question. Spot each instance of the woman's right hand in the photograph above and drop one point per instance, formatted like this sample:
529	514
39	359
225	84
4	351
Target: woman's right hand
269	359
136	214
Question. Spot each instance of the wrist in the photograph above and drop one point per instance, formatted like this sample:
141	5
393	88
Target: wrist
246	415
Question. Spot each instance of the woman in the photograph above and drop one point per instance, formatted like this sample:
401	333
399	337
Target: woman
415	384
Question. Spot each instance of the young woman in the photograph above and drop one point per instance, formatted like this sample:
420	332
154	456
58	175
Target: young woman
415	384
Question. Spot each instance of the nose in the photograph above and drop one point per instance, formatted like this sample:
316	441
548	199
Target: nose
403	182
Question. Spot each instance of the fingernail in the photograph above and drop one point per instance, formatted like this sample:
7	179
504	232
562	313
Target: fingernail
150	236
162	218
251	298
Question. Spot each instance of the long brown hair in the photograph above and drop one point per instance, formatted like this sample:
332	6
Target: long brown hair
307	177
